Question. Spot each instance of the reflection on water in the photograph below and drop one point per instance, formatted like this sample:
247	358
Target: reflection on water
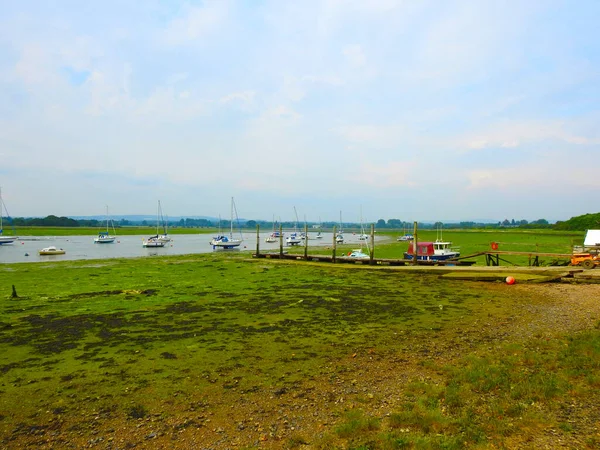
26	248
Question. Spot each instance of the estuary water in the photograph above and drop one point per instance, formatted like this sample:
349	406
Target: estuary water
26	248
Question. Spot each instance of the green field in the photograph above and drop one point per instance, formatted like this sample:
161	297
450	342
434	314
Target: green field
137	349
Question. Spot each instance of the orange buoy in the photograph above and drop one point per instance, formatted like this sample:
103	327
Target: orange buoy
494	246
510	280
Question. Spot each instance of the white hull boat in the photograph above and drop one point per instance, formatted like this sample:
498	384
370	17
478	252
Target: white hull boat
5	239
228	242
52	250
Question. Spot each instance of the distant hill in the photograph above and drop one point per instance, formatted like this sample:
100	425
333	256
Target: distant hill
580	223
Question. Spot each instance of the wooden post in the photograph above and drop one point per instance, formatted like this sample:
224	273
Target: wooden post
305	241
257	239
372	255
415	245
334	245
14	292
280	241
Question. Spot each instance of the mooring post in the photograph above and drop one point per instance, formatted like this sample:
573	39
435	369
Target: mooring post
334	245
305	241
415	245
14	292
280	240
257	239
372	256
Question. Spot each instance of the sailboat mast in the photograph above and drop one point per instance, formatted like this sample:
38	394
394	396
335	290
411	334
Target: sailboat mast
231	221
296	214
157	217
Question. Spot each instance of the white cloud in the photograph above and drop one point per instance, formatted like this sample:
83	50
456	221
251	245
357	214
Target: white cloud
389	175
35	65
196	23
511	134
355	55
243	97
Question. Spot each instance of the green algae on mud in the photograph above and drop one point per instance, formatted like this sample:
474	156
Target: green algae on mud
155	335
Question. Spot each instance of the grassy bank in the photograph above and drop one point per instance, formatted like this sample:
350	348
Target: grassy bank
222	351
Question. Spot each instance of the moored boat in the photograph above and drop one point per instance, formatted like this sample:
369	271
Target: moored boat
432	251
358	253
104	237
153	242
294	238
158	240
52	250
275	234
228	242
5	239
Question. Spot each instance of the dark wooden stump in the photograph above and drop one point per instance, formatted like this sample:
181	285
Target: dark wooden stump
14	292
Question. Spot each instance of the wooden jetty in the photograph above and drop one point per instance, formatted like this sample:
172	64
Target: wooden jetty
333	258
360	261
493	257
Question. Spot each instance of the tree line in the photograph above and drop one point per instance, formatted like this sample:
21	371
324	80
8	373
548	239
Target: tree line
578	223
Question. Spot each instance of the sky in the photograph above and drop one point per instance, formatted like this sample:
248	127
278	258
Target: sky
416	110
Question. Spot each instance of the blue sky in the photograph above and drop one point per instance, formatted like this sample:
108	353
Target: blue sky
417	110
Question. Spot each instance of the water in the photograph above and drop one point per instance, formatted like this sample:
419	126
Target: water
26	248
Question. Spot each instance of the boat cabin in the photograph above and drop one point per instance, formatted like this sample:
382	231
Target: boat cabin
423	249
429	248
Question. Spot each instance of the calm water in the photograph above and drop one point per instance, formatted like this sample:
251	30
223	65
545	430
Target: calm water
83	247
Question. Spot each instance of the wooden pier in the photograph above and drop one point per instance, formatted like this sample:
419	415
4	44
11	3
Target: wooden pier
360	261
492	257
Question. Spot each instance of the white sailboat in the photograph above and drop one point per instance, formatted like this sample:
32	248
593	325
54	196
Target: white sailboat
5	239
339	238
164	237
154	241
294	238
274	236
319	235
362	236
228	242
104	237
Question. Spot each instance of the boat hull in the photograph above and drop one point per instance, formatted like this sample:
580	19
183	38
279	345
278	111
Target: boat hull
104	240
153	244
7	239
225	243
445	257
51	251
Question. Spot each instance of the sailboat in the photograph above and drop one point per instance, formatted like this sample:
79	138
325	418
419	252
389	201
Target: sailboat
362	236
5	239
319	235
227	242
294	238
339	238
154	241
164	237
104	237
274	236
